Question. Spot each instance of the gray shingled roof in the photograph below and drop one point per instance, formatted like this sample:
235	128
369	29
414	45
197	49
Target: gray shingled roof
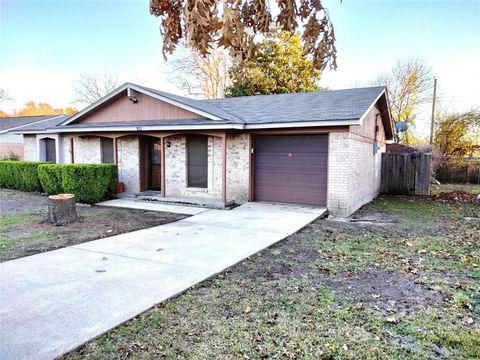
333	105
349	104
47	123
202	105
15	121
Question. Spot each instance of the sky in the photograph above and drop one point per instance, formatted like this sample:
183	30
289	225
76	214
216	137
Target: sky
46	45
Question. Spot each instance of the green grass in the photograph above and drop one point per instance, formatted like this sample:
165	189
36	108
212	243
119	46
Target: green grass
15	219
292	303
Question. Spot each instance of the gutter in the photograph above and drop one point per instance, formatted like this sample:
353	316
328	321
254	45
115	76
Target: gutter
283	125
133	128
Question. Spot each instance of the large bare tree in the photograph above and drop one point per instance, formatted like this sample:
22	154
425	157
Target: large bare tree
409	84
91	87
201	76
236	24
4	96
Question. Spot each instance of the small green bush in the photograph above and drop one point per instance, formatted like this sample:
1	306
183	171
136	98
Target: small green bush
89	182
12	156
20	175
51	178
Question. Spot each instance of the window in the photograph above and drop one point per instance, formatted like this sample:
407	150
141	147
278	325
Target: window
197	160
50	152
107	151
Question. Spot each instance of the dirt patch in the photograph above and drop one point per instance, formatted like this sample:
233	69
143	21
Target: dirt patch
16	201
386	291
24	231
461	196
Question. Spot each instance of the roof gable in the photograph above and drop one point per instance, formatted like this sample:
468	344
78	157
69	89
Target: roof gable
120	108
168	106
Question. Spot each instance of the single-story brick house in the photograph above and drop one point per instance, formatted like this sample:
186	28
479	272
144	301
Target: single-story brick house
316	148
10	142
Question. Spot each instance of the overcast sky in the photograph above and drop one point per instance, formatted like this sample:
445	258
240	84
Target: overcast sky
46	45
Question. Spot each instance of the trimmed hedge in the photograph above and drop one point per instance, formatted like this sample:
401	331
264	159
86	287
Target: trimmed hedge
89	182
20	175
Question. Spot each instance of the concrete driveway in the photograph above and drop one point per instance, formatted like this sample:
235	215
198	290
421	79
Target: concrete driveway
53	302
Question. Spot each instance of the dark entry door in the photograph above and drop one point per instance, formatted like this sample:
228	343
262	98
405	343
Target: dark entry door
291	169
50	153
155	169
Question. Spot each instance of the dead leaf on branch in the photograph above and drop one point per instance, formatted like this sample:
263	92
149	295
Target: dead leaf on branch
233	24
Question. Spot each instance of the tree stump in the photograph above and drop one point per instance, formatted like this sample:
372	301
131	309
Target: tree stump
61	209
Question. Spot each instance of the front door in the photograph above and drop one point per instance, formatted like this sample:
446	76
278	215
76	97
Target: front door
155	168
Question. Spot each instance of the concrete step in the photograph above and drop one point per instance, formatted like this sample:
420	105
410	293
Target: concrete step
190	201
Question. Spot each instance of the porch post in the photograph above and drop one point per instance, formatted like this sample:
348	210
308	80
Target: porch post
72	151
115	151
162	165
224	168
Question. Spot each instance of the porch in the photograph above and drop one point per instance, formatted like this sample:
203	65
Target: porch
187	168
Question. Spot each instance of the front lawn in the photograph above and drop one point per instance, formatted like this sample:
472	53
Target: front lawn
23	231
401	281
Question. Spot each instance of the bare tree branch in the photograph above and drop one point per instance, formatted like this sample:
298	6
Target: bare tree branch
409	85
91	87
201	76
4	96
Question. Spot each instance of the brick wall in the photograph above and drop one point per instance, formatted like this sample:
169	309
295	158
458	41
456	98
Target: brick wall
7	148
87	150
238	172
66	150
129	163
176	169
353	168
30	147
237	168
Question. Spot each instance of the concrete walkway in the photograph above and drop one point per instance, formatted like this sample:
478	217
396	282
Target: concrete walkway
53	302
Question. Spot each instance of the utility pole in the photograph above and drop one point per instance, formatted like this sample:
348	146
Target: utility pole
432	126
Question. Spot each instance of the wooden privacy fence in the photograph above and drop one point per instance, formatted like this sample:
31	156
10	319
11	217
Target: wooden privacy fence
406	174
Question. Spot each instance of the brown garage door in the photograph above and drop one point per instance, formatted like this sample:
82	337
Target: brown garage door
291	169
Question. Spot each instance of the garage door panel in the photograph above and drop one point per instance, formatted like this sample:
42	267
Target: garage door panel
291	169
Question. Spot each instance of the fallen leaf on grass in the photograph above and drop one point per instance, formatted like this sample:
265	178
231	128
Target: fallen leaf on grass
468	320
345	347
271	321
193	333
392	320
324	269
247	310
